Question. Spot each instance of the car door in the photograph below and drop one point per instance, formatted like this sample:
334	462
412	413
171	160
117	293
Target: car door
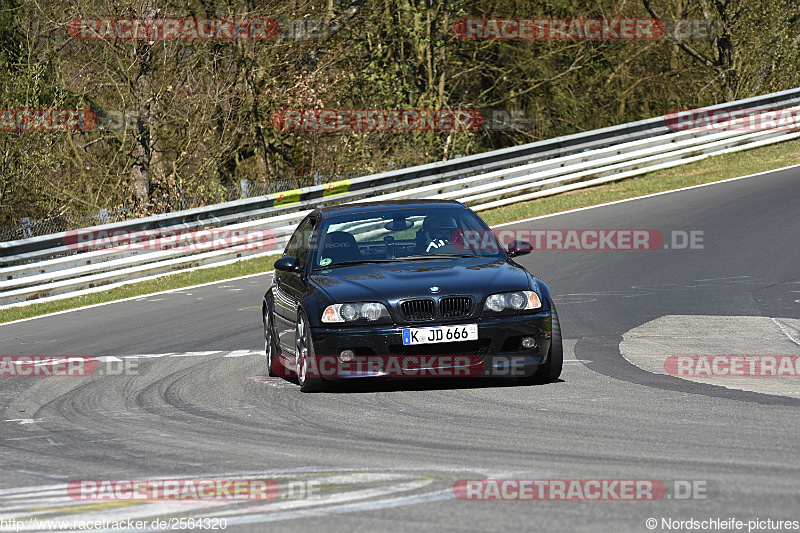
289	287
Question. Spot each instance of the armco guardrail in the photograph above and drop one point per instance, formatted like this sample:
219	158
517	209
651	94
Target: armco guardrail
46	266
45	246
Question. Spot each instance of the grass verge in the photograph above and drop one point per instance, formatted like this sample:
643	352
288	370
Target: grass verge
163	283
715	168
706	171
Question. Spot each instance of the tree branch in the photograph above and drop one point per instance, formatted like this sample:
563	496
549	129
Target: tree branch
684	46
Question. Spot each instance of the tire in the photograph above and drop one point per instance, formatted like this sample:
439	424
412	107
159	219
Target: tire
551	369
304	351
271	347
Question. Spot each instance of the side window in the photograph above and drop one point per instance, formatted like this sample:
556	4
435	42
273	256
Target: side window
301	240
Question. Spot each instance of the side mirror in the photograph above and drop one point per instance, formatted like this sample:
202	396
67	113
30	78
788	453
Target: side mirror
516	248
287	264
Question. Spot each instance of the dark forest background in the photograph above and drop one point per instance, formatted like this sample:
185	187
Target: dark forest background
190	119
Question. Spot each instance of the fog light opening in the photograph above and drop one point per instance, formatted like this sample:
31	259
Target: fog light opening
346	355
528	342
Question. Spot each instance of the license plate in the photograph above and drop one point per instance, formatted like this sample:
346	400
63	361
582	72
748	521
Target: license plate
432	335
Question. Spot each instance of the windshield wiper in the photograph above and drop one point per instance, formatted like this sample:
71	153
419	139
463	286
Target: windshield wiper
356	262
435	256
395	260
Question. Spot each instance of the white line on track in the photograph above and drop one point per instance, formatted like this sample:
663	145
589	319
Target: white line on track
340	490
780	326
241	353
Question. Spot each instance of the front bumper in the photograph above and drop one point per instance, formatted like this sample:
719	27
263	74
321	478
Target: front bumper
497	352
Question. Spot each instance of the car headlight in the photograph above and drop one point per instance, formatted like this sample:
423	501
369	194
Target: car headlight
517	301
354	311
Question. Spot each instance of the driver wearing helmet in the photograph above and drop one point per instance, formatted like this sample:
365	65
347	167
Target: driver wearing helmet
435	233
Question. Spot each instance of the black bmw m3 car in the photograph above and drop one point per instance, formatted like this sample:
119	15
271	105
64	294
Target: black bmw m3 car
408	288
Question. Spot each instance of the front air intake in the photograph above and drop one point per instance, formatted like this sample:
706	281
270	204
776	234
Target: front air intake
455	307
417	309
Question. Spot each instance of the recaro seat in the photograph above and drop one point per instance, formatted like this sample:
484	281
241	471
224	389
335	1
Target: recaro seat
341	246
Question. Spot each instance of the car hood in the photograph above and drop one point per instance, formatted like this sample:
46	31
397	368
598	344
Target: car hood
389	282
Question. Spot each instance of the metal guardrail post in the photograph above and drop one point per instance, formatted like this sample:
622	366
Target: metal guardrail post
26	228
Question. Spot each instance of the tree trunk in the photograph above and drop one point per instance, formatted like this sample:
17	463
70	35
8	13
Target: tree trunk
140	170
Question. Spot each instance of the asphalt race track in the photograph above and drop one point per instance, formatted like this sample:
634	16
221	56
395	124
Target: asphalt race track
195	403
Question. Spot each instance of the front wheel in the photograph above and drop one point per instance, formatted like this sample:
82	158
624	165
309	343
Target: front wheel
304	356
270	344
551	369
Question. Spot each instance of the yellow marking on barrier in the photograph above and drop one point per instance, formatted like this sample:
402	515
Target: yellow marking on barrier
336	187
287	198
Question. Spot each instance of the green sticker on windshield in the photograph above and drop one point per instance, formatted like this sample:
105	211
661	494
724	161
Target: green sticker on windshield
325	261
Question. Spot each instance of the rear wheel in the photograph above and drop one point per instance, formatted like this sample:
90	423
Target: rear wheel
304	353
551	369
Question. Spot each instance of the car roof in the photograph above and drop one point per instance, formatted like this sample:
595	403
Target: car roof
350	208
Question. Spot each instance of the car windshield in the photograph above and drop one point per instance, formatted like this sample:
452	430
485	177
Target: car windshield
404	234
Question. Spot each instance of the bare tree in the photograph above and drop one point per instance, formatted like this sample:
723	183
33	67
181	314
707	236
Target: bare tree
752	43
